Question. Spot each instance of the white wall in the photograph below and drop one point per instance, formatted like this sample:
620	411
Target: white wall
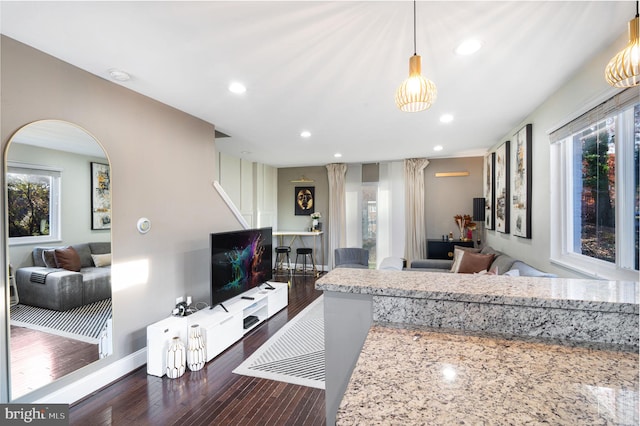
253	188
163	164
583	91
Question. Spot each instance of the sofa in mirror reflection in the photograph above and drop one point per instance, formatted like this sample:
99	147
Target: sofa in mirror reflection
63	278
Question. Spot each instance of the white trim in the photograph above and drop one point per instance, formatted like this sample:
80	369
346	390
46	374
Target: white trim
29	166
562	214
594	268
230	204
586	107
95	381
55	202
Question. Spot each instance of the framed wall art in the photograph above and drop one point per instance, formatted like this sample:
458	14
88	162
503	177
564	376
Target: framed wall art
489	190
521	183
304	203
100	196
502	194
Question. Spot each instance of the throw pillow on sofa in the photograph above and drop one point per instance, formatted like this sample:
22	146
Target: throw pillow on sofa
49	258
474	262
458	251
68	258
101	260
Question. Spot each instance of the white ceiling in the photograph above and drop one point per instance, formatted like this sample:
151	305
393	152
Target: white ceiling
330	67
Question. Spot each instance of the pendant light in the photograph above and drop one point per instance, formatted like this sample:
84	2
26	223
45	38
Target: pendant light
623	69
416	93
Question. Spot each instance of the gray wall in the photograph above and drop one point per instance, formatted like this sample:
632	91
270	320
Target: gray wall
162	164
446	197
287	220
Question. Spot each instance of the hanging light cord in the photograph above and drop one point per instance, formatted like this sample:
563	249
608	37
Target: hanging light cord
637	14
414	27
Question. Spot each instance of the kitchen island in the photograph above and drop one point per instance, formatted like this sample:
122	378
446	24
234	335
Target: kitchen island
437	348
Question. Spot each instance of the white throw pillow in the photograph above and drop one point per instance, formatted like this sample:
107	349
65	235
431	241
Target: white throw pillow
512	273
457	259
101	259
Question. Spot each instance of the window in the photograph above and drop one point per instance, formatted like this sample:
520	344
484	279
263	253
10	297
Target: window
596	208
33	204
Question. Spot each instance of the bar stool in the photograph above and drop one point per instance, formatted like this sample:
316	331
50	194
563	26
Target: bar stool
281	252
304	252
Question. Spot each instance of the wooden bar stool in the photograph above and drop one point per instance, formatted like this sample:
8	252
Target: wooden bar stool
304	252
281	253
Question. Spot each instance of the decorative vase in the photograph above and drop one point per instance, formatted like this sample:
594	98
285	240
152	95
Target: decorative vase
314	224
176	359
196	351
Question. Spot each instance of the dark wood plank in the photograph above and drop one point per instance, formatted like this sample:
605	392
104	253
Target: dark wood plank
39	358
213	395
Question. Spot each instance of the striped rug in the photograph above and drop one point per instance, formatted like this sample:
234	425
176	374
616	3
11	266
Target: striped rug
84	323
295	354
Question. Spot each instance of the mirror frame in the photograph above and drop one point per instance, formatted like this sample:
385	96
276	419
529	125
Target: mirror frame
5	321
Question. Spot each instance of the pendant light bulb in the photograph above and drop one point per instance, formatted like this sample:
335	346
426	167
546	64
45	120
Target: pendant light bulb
416	93
623	69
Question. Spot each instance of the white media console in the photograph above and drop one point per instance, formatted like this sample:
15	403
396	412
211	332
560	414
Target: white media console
220	328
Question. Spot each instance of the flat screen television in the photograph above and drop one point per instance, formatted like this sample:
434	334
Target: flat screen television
240	260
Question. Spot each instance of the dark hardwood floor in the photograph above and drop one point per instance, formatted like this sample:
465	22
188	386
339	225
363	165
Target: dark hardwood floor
213	395
39	358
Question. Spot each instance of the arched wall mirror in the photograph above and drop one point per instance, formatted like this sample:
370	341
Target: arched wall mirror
58	216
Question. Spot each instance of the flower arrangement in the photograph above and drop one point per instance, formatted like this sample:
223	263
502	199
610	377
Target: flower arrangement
463	221
316	215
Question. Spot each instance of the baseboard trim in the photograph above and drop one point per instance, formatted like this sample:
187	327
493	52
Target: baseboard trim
95	381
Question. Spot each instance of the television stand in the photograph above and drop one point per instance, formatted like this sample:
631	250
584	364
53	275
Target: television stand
220	329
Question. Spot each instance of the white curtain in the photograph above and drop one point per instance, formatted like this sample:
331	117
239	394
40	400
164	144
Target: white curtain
390	224
415	231
337	216
353	199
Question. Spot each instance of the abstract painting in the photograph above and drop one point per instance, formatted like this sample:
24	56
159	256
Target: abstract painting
489	190
502	203
100	196
521	183
304	200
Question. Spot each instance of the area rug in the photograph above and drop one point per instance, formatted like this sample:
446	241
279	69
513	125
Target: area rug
84	323
295	354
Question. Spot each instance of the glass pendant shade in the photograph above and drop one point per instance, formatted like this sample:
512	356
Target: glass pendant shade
416	93
623	69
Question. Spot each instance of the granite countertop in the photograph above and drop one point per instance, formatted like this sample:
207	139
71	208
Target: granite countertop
422	376
562	293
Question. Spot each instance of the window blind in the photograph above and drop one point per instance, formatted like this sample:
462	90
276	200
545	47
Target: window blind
611	106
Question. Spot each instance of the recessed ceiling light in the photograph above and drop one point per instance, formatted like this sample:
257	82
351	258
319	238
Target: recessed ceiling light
468	47
437	148
337	155
305	134
446	118
237	88
119	75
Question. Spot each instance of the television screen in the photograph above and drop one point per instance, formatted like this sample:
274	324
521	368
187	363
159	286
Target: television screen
240	260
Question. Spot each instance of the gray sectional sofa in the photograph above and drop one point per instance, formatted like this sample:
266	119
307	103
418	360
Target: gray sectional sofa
60	289
502	262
